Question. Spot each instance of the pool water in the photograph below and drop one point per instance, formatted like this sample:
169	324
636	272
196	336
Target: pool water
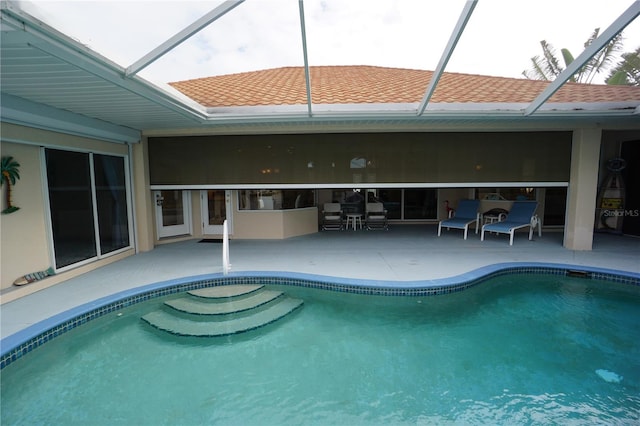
514	350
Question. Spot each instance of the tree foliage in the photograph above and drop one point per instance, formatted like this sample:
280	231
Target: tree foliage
548	65
627	71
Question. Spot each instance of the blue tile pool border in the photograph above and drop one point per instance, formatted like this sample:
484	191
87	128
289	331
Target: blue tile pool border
15	346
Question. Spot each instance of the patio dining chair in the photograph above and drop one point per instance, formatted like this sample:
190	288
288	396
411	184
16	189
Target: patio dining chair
332	217
376	217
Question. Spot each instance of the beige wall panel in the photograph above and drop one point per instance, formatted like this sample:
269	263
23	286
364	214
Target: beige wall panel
258	225
16	133
275	224
272	224
300	222
144	208
25	242
583	189
196	214
24	247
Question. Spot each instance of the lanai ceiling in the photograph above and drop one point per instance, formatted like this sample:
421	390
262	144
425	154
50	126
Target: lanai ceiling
53	81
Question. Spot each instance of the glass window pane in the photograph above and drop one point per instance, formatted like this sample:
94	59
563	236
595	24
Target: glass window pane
511	194
298	198
420	204
351	200
71	205
555	201
217	207
172	208
111	200
392	201
268	199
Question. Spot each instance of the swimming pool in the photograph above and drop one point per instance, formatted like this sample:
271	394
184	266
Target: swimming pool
516	349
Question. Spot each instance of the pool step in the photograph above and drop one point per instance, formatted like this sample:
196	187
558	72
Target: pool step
198	306
226	291
168	322
222	310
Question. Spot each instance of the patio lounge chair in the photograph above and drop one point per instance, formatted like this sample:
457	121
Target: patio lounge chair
522	214
465	215
332	218
376	217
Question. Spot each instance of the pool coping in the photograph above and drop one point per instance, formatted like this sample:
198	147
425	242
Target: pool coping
24	341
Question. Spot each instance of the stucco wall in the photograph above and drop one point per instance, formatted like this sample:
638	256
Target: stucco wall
25	243
143	203
300	222
274	224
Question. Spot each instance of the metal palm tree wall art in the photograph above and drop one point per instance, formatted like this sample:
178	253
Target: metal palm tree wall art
10	174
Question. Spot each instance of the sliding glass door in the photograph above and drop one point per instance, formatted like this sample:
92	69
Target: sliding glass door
111	202
88	206
408	204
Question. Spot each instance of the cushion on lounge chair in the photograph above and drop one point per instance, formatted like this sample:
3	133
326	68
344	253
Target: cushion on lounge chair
466	214
521	215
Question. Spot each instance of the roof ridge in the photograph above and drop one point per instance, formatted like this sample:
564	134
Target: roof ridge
301	67
349	84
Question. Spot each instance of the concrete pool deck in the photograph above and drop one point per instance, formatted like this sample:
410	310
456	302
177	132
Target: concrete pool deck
404	253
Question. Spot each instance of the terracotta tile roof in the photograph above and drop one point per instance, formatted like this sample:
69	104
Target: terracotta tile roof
370	84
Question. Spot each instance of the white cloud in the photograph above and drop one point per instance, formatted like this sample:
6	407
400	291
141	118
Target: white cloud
501	36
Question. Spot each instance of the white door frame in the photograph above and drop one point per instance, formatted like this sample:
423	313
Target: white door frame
208	229
173	230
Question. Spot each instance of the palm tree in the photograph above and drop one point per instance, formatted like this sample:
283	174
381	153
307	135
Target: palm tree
10	174
548	67
627	72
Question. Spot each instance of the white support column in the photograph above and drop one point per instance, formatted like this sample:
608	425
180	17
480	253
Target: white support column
583	189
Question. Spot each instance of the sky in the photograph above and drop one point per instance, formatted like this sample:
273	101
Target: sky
500	37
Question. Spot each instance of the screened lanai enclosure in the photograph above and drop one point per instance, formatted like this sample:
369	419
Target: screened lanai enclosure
259	113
